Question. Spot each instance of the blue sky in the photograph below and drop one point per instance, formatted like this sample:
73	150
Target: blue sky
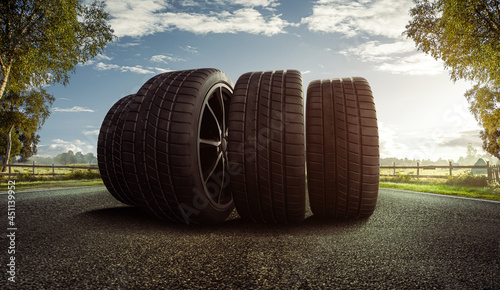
422	114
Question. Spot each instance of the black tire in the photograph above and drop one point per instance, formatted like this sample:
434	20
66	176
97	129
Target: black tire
108	153
342	148
266	147
180	146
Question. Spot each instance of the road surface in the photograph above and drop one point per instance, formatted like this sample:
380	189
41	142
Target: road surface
83	238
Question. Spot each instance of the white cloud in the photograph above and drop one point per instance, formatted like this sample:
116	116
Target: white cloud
189	3
129	44
104	66
376	17
135	18
91	132
165	58
103	57
159	69
416	64
189	48
58	146
241	20
75	109
139	69
140	18
398	57
462	139
136	69
375	51
250	3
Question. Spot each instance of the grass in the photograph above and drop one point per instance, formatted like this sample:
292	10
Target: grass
30	185
29	182
464	185
38	170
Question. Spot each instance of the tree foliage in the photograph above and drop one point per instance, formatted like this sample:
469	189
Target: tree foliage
485	106
41	41
66	158
465	34
21	116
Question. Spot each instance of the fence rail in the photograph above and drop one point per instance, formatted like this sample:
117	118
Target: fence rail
492	171
54	167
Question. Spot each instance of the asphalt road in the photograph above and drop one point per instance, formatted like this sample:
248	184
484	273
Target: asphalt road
83	238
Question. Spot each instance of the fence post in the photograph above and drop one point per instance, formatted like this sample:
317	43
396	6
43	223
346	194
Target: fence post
418	169
33	167
10	168
489	170
53	171
451	168
394	169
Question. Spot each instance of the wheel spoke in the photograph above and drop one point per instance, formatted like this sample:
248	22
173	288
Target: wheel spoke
210	142
220	97
215	118
211	171
223	182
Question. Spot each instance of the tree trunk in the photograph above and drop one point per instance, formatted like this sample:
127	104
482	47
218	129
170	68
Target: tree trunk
5	78
9	148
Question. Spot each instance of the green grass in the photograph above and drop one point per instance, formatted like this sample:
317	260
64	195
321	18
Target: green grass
41	184
29	182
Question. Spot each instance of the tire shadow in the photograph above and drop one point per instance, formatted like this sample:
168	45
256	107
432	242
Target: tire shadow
130	217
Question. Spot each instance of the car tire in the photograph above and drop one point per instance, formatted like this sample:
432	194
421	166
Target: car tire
180	146
342	148
108	153
266	147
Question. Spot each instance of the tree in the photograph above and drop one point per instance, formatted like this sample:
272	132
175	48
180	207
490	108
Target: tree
471	151
484	105
41	41
21	116
465	34
66	158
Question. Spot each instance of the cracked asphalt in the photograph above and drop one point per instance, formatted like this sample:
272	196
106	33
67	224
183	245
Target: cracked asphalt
82	238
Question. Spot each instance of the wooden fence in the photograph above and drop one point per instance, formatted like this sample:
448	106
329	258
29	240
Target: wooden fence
53	167
493	171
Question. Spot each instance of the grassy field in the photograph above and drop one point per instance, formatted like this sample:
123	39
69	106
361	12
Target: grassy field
43	171
26	181
47	184
436	172
464	184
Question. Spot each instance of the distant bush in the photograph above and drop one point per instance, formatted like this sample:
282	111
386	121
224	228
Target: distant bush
399	178
80	174
25	177
468	179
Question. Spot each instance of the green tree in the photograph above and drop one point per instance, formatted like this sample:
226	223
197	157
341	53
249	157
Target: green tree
41	41
485	106
66	158
465	34
21	116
